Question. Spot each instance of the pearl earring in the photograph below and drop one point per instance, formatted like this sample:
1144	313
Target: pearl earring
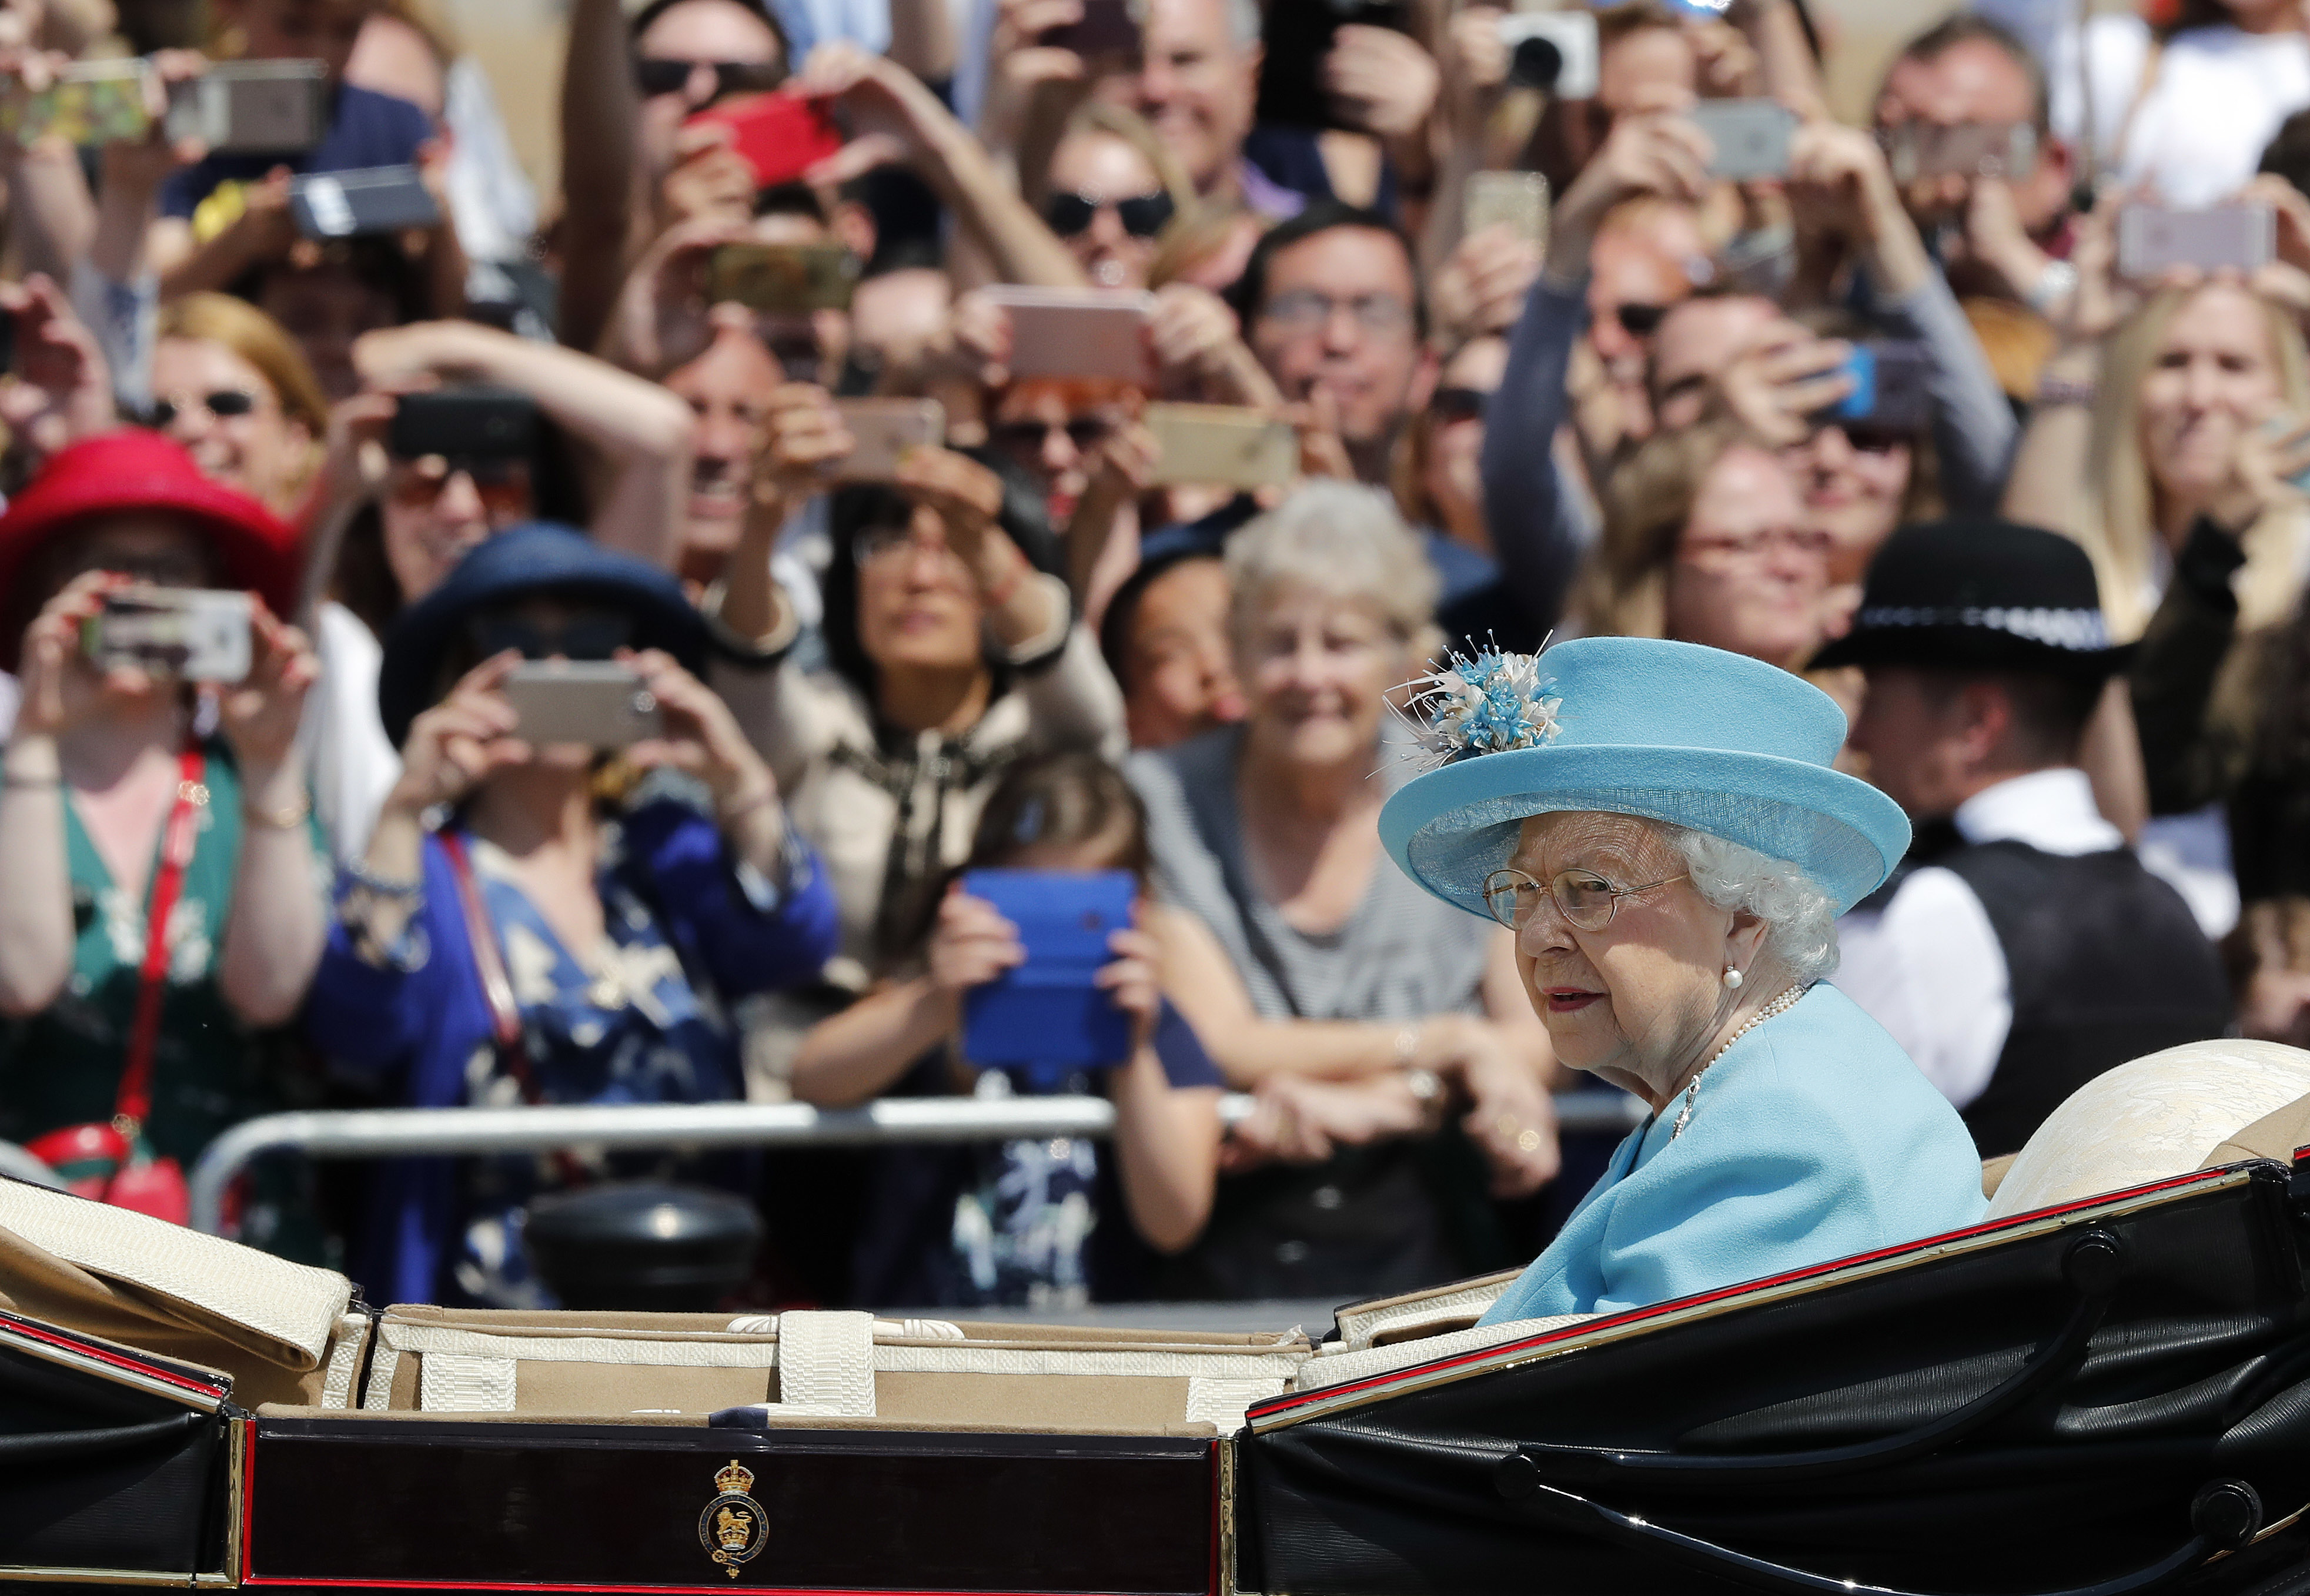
1731	979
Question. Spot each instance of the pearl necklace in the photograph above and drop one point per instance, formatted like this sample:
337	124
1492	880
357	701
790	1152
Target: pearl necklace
1779	1005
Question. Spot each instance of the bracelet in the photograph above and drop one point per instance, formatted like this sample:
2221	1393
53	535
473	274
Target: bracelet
360	876
279	819
737	808
2063	390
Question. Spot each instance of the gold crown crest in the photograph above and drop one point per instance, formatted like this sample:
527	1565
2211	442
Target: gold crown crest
734	1480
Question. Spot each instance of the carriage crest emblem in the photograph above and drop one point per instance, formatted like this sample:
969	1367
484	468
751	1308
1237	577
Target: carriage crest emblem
731	1528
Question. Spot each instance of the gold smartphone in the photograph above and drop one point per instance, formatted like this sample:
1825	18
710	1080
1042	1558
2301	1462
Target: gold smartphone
782	278
1517	201
1221	445
884	429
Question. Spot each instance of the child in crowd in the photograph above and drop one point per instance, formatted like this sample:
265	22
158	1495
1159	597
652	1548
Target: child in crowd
1045	1222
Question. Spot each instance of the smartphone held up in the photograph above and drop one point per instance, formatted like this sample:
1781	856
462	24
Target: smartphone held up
2155	239
189	633
1047	1015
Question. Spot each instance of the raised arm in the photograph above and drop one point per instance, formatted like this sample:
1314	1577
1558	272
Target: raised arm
36	911
640	433
273	934
890	104
601	120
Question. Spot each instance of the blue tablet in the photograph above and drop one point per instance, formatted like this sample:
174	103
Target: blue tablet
1045	1015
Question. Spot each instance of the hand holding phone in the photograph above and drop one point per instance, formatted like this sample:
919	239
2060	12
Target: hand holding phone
1517	201
1890	391
1046	1012
1553	51
253	108
90	102
1221	445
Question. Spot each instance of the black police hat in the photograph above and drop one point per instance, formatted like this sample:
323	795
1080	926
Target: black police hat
1980	594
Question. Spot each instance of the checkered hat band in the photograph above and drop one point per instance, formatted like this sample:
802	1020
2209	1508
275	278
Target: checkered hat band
2080	631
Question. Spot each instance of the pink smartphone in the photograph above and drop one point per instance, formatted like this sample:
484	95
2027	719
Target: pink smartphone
1081	333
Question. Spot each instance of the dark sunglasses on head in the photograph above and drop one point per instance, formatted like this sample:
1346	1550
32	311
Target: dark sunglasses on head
1459	404
1641	321
1028	437
588	634
656	75
222	403
1142	215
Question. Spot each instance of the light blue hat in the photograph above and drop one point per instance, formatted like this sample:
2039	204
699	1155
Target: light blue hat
1709	741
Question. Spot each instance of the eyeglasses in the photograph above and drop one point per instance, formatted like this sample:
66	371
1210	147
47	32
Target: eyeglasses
222	404
877	544
1142	215
1303	310
1459	404
587	635
1641	321
658	74
1587	900
1028	437
1787	540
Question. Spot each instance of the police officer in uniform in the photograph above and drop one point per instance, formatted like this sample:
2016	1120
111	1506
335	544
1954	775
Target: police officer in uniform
2021	949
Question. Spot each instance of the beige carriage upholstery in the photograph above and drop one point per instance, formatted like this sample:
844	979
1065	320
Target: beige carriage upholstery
807	1366
285	1332
2158	1116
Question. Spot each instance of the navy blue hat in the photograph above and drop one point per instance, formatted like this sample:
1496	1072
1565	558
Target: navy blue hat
536	558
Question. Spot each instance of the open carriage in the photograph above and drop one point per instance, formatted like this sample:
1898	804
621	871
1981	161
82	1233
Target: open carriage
2101	1391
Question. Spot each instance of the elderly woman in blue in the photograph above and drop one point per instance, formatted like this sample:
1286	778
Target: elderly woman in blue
1660	825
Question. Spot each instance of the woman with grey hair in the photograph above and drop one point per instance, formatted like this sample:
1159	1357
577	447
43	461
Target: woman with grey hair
1661	827
1363	1014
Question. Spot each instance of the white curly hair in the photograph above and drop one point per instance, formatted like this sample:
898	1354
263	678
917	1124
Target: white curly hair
1799	918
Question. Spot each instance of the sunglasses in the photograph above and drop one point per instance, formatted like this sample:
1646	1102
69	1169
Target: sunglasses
1641	321
1142	215
1459	404
1028	437
1876	440
223	404
501	484
586	634
654	76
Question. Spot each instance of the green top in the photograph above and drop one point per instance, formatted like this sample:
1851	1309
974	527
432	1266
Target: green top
63	1066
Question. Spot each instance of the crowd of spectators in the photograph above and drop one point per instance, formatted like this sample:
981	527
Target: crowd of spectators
1657	400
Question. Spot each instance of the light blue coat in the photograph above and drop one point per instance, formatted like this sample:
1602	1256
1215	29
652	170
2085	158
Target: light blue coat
1813	1138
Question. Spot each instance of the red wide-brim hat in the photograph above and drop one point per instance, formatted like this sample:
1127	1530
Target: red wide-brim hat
134	469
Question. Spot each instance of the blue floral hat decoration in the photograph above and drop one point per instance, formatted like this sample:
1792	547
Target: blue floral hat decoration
1673	732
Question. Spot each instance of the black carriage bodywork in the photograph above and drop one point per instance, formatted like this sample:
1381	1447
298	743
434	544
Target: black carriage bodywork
2113	1396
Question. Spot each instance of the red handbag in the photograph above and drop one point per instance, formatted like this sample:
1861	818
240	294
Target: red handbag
111	1162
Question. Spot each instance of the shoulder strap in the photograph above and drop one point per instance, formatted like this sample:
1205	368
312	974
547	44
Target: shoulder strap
488	963
179	837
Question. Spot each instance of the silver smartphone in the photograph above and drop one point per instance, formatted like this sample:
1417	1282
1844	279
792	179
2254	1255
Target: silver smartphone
2152	240
1750	136
1086	333
271	108
598	703
191	633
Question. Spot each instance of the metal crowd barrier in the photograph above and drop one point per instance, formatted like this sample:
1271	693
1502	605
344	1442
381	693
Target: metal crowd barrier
391	1133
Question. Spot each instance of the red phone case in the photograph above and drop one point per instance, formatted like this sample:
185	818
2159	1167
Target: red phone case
780	135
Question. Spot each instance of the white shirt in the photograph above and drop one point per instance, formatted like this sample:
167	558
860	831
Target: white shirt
1928	966
354	766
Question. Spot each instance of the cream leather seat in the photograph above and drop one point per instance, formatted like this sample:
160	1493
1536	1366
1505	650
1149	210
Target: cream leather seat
2158	1116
